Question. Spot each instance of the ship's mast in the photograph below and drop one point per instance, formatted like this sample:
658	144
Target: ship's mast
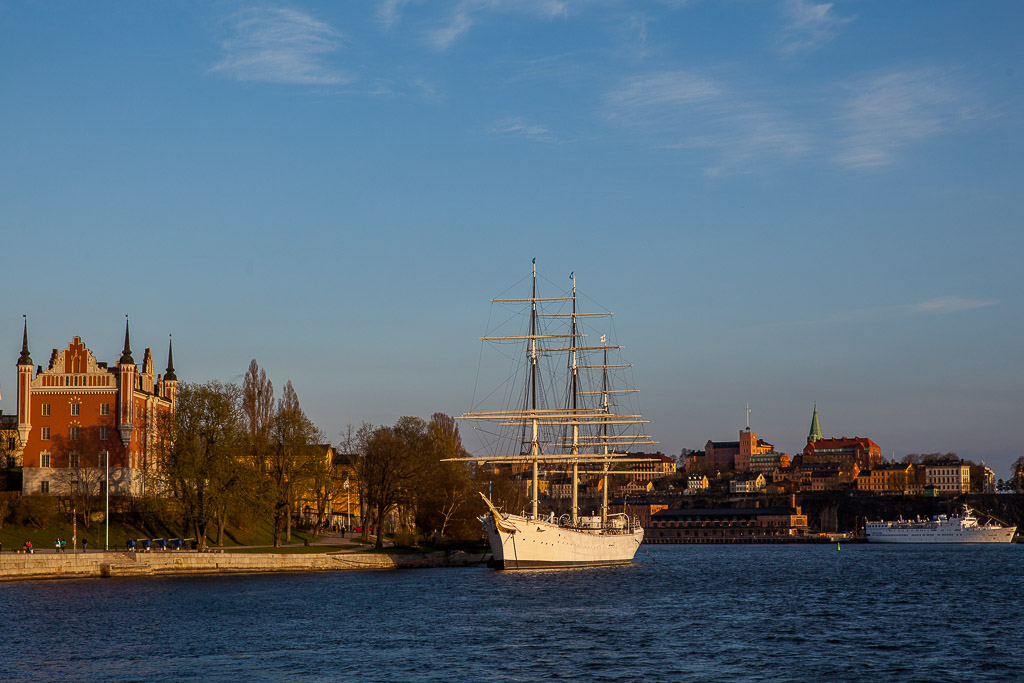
534	445
574	394
604	406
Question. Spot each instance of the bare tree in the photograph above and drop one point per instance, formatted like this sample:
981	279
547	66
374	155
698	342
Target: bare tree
293	449
446	488
389	467
354	443
199	445
258	408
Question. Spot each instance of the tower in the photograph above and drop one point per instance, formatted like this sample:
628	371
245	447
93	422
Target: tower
815	433
24	388
126	389
170	379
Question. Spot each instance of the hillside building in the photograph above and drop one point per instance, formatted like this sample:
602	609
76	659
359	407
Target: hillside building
736	455
822	451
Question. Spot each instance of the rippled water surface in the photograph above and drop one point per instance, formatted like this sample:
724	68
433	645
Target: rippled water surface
679	613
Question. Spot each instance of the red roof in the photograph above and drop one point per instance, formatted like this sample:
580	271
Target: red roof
845	443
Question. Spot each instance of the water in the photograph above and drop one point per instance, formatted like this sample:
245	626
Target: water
680	613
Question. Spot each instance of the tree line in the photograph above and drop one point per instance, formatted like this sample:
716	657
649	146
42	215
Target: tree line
230	454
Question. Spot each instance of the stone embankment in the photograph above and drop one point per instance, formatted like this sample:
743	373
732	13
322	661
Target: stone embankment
19	566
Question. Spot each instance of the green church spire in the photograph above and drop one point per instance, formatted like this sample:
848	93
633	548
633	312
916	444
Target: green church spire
815	433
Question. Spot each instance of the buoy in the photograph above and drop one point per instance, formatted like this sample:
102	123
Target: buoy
837	546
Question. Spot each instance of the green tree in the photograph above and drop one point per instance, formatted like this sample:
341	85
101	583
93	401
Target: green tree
200	446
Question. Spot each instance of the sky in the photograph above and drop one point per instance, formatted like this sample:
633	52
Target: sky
786	203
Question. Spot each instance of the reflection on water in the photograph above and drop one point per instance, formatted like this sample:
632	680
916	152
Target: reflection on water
693	613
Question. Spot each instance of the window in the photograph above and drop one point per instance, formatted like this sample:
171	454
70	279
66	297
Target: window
44	434
76	408
74	433
44	459
74	460
104	409
44	487
46	410
104	433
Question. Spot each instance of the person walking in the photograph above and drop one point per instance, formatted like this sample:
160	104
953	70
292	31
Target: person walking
56	545
63	546
85	545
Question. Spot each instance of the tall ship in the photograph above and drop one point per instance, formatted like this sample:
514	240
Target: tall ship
963	528
563	415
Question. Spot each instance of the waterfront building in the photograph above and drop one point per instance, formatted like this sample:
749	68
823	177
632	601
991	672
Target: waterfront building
78	414
726	525
887	478
643	511
949	477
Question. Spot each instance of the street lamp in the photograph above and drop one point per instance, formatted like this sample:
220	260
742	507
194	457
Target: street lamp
348	505
106	491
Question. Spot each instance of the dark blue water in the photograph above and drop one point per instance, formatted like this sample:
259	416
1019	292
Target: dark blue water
681	613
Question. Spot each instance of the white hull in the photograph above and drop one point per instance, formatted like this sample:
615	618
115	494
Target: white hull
538	544
941	529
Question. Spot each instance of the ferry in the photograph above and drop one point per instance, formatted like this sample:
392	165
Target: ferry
963	528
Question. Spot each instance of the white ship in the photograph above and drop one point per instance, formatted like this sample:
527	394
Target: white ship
940	529
568	423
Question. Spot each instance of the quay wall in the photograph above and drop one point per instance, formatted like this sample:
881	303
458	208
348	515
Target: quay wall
21	566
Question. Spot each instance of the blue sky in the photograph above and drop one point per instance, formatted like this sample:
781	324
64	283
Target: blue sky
783	202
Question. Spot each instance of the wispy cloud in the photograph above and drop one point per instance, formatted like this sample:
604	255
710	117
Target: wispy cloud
275	45
949	304
808	26
888	112
389	12
686	110
517	126
468	13
942	305
655	97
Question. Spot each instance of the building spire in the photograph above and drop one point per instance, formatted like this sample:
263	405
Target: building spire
815	433
25	359
126	354
169	375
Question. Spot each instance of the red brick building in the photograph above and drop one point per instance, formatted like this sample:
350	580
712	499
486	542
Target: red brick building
736	455
78	412
860	450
